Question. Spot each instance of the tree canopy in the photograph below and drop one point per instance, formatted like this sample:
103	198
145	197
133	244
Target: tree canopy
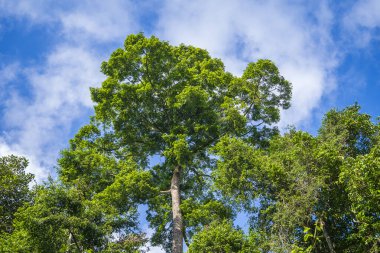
310	194
176	103
195	145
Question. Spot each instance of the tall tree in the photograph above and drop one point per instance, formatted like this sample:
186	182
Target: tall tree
175	103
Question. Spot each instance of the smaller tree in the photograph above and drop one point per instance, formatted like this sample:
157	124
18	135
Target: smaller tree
91	208
14	190
221	237
61	219
312	194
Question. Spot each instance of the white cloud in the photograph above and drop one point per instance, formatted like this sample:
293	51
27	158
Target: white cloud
242	31
362	20
86	21
99	20
365	13
236	31
33	167
40	127
31	9
8	73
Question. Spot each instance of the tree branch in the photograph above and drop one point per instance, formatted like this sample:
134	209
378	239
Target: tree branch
75	241
185	238
200	174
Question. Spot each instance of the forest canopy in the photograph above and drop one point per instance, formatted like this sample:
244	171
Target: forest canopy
195	145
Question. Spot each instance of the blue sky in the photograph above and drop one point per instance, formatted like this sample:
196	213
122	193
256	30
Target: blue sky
51	51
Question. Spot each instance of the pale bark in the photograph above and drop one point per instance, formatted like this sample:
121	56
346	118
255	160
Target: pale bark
327	237
69	242
177	215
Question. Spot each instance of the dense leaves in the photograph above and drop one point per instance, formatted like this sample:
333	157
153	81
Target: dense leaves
362	179
305	193
14	191
61	219
195	145
177	102
94	206
220	237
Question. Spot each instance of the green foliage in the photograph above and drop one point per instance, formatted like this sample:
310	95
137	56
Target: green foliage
362	179
56	213
128	244
89	163
261	80
238	169
61	219
166	100
177	102
305	193
198	214
351	131
173	110
92	209
220	237
14	191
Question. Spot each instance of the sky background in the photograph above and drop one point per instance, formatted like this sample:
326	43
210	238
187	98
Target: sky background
51	51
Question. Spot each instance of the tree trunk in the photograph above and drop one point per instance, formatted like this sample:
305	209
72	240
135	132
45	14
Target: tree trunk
69	242
177	215
327	237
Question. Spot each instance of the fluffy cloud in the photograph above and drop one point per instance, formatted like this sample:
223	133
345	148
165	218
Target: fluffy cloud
9	73
84	22
102	21
362	21
33	167
38	126
364	13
